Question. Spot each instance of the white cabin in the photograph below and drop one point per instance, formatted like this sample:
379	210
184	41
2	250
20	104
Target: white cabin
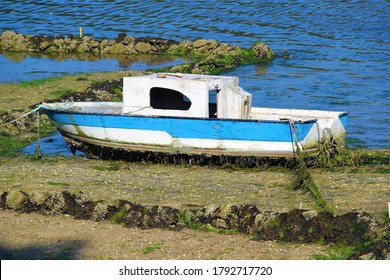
186	95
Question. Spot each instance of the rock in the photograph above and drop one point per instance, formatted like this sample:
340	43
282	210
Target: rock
228	217
308	215
78	205
211	209
143	47
103	212
38	198
16	200
83	47
124	39
262	218
44	45
161	217
205	44
369	256
103	44
54	203
94	44
130	214
262	50
3	199
117	48
247	214
226	211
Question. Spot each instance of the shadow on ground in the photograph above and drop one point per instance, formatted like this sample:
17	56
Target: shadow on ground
63	250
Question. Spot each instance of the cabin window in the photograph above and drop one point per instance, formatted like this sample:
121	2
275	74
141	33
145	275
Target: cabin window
213	103
168	99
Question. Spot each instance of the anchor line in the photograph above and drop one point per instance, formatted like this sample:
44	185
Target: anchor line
22	116
295	138
34	111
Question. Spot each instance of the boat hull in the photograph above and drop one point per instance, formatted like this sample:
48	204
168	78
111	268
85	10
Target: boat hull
179	135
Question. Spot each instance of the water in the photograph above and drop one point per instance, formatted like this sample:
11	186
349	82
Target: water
339	50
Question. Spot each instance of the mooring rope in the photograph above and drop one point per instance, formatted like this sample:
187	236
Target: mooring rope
295	137
22	116
38	154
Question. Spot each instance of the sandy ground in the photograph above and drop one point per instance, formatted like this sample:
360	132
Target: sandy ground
34	236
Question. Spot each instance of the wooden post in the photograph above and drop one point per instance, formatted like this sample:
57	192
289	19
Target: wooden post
81	32
300	205
388	208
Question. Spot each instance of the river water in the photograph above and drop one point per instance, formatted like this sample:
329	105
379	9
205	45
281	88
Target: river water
339	50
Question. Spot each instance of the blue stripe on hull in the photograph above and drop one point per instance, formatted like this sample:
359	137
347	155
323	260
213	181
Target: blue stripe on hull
249	130
343	120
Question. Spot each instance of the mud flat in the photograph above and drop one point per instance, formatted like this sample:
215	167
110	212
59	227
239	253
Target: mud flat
77	199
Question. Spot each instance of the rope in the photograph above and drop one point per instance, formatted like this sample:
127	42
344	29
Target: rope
294	132
22	116
38	154
138	110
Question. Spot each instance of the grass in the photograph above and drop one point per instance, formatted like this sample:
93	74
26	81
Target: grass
189	219
151	248
338	253
11	145
58	184
35	83
114	166
118	217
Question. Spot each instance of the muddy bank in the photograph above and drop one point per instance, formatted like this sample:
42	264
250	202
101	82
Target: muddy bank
354	228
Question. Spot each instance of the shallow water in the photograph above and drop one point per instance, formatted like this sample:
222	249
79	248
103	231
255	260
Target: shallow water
339	50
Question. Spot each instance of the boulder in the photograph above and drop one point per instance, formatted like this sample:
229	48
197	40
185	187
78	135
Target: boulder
205	44
17	200
262	50
143	47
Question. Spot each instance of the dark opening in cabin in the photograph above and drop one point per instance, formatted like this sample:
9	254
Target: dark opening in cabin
168	99
213	103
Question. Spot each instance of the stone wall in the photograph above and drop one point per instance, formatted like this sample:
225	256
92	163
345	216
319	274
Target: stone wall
352	228
211	57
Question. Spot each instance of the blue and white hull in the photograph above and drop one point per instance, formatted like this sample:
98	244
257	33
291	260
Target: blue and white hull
278	132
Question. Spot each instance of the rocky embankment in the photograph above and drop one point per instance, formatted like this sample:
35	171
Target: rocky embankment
210	57
354	228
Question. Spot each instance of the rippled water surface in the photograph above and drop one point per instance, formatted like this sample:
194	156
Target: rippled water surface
340	50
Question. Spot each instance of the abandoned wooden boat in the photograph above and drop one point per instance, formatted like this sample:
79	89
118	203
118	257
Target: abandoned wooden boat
193	115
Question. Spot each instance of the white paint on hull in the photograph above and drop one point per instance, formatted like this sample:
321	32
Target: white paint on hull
113	137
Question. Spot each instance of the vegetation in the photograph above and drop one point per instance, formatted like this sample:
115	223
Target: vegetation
151	248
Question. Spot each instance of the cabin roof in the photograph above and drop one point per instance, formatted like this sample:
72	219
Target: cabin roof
186	95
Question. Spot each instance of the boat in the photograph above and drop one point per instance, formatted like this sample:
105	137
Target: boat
190	114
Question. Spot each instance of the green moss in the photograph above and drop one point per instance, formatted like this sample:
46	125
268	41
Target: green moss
118	217
273	223
282	235
153	247
10	145
218	230
58	184
188	218
306	183
338	253
114	166
61	92
35	83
